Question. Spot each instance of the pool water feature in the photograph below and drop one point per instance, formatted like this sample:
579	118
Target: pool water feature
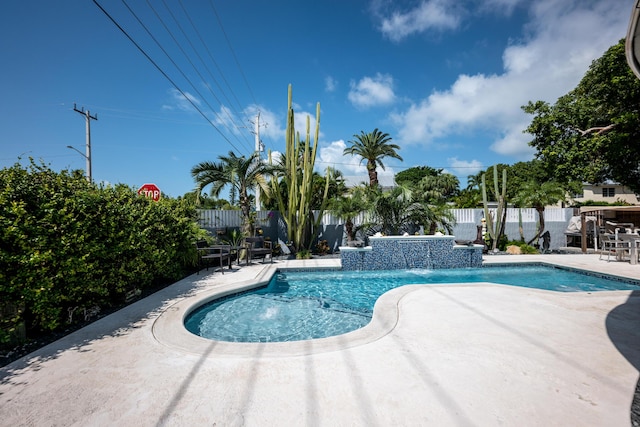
302	305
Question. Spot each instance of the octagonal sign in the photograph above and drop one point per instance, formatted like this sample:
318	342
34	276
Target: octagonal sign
151	191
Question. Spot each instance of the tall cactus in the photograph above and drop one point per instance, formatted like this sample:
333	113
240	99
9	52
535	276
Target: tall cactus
495	229
297	176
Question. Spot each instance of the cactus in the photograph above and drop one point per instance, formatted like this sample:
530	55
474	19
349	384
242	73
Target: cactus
300	159
495	229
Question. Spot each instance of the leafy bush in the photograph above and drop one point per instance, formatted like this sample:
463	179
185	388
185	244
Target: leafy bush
69	247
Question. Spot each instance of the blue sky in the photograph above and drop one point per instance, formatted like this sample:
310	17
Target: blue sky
445	79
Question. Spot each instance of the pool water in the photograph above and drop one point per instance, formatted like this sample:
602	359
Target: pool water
316	304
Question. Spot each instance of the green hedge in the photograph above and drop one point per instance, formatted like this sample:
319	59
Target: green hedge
68	246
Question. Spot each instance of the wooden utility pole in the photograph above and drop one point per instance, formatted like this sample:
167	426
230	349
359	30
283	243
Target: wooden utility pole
87	155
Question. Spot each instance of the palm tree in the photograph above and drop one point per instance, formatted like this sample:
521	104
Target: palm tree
241	173
537	196
348	207
373	147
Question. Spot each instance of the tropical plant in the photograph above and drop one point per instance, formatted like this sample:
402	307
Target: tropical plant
373	147
347	208
241	173
297	176
591	134
396	212
538	196
495	226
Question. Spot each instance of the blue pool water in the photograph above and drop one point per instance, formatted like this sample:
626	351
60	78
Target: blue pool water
315	304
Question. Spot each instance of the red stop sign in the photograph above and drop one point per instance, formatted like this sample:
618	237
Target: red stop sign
150	190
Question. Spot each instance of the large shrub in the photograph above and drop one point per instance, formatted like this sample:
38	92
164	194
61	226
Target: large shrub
68	246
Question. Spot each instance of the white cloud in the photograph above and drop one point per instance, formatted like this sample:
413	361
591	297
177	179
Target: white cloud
372	91
181	102
271	126
330	84
225	118
563	38
428	15
464	167
352	167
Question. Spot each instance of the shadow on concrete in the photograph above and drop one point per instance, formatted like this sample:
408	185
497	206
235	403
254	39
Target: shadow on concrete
623	327
119	323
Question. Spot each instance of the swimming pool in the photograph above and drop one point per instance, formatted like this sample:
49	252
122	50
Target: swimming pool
302	305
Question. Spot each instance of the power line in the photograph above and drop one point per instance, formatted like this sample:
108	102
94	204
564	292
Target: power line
238	111
232	51
190	62
163	73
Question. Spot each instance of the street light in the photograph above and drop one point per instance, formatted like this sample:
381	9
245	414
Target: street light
87	157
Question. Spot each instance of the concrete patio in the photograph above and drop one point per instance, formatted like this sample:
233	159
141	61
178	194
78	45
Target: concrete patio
479	354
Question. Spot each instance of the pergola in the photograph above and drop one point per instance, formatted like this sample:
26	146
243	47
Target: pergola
626	214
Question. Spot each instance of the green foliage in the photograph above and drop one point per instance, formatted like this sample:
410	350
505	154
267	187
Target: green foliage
295	174
401	210
240	173
303	254
415	174
495	226
373	147
591	134
348	207
539	195
69	246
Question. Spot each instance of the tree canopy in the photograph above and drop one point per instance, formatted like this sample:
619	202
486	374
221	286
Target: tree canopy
591	134
373	147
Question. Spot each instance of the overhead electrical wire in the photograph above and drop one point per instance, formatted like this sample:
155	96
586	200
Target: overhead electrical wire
232	51
206	47
224	95
180	70
146	55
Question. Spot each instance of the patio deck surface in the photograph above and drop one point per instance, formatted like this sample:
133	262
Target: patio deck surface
479	354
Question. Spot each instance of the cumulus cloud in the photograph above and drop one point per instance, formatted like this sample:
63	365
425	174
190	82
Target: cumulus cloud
372	91
330	84
563	37
464	167
272	126
181	102
428	15
354	170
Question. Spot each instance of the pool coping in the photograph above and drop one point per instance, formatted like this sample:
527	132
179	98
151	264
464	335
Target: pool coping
169	329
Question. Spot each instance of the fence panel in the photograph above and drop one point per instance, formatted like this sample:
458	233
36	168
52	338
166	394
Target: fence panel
464	216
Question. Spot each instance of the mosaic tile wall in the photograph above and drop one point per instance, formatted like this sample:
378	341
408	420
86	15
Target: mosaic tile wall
389	253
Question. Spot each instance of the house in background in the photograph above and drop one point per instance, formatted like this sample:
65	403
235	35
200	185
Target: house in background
607	192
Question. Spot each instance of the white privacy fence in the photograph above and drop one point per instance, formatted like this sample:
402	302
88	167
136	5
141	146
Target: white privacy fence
210	218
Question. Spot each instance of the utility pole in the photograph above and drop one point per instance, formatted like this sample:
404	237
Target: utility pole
259	148
87	154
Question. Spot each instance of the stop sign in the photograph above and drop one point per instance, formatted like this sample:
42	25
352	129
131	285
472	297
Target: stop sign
150	190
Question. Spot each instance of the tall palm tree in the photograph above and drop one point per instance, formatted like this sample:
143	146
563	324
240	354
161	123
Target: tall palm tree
373	147
537	196
241	173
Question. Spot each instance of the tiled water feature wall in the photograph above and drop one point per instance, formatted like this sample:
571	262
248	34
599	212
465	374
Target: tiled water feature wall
402	252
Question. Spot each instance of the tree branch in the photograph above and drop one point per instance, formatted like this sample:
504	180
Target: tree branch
597	130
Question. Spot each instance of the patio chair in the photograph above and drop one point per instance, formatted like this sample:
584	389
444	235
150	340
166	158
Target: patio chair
258	247
611	246
207	254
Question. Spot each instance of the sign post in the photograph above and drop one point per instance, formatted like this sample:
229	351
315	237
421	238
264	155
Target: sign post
151	191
